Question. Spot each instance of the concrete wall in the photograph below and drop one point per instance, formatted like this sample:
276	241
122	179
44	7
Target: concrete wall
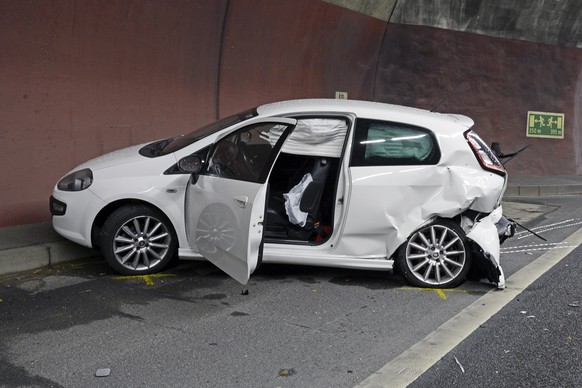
268	55
556	22
83	77
496	82
79	78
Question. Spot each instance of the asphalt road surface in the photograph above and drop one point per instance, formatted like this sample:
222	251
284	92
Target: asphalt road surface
193	326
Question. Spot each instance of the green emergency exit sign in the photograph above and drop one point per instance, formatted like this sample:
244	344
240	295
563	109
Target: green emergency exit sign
544	124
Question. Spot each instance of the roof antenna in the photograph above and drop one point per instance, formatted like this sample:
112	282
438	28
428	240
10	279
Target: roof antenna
440	103
444	98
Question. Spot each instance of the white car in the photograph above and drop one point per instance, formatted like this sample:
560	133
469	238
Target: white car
336	183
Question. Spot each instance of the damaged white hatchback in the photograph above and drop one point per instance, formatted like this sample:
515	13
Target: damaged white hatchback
336	183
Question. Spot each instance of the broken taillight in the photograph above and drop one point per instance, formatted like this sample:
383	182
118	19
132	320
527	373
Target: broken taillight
485	156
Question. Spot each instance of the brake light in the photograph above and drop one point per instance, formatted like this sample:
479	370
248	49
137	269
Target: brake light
484	155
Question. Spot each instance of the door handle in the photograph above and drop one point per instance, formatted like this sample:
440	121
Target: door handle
241	200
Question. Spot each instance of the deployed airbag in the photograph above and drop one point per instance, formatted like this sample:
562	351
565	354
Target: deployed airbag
313	137
293	201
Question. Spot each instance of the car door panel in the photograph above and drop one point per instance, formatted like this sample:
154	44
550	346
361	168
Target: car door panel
228	227
225	205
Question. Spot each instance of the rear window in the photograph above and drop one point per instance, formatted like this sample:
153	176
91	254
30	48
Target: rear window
382	143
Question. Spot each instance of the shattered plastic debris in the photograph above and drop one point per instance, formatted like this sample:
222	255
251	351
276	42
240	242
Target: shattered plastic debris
459	364
103	372
286	372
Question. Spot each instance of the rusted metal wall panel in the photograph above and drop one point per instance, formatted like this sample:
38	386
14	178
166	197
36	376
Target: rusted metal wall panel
496	82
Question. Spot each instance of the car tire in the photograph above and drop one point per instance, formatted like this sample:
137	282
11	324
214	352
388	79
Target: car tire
138	240
435	256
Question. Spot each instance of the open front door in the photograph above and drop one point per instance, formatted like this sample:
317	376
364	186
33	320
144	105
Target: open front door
226	205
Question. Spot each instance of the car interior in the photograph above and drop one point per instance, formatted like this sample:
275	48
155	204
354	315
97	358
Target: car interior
312	151
317	198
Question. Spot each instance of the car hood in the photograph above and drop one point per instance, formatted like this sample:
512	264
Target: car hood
115	158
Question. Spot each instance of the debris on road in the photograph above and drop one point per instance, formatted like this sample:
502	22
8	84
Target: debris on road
104	372
286	372
459	364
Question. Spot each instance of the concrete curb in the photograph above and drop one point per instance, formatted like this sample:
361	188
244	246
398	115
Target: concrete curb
41	256
542	190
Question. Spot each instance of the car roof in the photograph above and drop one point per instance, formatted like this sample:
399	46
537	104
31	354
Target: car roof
448	123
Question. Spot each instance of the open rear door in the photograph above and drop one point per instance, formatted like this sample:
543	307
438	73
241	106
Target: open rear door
226	204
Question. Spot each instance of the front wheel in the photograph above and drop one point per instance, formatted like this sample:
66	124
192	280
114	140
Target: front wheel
435	256
138	240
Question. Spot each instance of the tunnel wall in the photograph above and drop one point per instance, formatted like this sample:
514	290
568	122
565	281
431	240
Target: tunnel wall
84	77
494	81
80	78
556	22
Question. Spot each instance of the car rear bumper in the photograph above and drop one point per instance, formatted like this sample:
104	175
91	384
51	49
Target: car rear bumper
487	235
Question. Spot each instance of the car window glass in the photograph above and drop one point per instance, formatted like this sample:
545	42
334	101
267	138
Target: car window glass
247	153
173	144
380	143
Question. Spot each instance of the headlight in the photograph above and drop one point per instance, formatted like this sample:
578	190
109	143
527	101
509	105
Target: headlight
76	181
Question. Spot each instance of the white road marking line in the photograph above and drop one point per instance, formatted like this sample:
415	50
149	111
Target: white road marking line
530	245
547	229
538	249
409	365
547	226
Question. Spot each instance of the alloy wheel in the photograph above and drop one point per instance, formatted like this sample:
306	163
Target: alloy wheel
141	243
436	255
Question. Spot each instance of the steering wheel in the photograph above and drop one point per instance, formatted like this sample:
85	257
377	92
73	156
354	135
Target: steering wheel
221	169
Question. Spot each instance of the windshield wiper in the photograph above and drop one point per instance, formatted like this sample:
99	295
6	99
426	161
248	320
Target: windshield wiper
153	149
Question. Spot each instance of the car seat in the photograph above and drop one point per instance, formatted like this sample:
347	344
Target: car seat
310	203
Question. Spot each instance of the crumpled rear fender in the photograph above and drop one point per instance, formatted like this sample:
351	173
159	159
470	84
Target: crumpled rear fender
388	203
460	189
485	236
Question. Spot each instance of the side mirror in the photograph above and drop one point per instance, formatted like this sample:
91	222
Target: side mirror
191	164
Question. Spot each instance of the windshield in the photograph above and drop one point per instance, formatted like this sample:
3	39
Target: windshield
173	144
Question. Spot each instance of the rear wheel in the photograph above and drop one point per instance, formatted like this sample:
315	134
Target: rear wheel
138	240
435	256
